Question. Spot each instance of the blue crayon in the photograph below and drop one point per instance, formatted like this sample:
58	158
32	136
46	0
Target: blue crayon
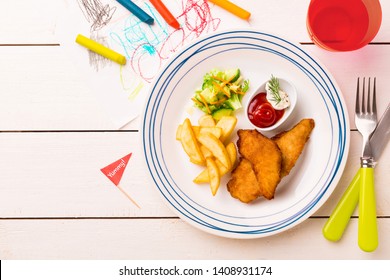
137	11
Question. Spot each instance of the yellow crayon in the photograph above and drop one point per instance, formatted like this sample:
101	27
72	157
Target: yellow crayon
100	49
233	8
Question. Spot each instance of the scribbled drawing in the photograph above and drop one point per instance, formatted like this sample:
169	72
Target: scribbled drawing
197	17
97	14
130	83
140	43
96	60
147	47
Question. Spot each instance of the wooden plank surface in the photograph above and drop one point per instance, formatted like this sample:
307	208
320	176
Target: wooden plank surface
58	175
29	22
57	98
54	138
42	90
145	239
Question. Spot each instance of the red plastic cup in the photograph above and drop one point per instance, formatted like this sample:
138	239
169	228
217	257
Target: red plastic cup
343	25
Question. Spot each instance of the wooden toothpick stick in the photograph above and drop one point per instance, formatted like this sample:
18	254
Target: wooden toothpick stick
128	196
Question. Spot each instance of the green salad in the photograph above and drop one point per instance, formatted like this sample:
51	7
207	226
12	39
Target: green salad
221	92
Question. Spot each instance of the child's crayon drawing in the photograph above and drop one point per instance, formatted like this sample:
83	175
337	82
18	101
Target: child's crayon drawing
143	43
146	47
96	13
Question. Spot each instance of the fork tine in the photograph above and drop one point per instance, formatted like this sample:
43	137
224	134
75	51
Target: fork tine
357	102
374	98
369	104
363	110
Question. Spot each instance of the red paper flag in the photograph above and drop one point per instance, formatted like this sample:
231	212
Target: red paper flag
115	170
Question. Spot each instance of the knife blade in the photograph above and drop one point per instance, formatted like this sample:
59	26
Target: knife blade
338	220
380	137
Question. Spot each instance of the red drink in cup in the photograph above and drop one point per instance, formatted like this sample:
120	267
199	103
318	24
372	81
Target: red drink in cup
343	25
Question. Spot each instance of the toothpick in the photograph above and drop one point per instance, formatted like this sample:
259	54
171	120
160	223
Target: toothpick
128	196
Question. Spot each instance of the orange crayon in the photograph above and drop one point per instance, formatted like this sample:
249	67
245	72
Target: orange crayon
233	8
165	13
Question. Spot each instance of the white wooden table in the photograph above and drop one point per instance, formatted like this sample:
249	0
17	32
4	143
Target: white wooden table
54	138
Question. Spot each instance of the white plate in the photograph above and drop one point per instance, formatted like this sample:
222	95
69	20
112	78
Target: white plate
258	55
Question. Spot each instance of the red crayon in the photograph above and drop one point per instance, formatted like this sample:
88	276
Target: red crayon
165	13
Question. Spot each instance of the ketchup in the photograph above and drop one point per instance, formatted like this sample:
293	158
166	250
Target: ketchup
261	113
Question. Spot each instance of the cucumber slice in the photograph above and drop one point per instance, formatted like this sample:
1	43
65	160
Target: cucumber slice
217	115
232	75
208	96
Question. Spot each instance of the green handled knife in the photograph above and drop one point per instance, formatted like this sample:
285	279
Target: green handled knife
338	220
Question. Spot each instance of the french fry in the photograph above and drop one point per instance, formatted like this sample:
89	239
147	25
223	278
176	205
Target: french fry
190	144
206	120
204	146
213	172
206	152
227	123
216	147
203	176
232	151
217	131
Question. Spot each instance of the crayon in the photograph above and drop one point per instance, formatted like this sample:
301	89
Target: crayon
137	11
165	13
233	8
100	49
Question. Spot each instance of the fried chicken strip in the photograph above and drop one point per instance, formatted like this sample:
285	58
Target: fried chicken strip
265	161
243	184
265	157
292	142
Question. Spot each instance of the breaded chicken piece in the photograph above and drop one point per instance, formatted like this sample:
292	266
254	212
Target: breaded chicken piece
265	157
243	184
292	142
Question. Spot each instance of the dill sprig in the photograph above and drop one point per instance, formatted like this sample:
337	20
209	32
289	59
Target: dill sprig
274	86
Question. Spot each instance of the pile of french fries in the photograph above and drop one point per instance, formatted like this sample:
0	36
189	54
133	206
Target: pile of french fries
205	145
